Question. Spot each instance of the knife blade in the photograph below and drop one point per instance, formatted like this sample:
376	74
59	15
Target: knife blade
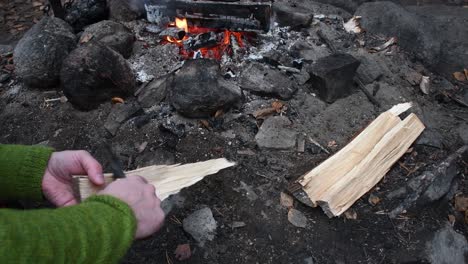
116	164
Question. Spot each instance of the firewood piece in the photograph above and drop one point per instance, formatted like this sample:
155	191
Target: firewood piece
340	180
168	179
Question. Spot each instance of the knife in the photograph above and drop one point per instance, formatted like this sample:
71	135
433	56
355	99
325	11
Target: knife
115	163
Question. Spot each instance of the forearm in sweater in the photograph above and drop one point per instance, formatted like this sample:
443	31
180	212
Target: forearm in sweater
99	230
21	171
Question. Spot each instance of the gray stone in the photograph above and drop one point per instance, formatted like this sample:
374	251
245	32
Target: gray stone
333	75
463	133
264	80
308	52
94	73
370	69
199	90
276	133
124	10
447	247
201	225
40	53
86	12
113	34
237	224
294	17
119	114
154	92
297	218
309	260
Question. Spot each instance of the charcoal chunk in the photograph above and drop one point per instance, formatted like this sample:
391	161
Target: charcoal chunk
333	75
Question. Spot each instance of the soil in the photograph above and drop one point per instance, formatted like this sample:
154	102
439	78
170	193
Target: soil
268	237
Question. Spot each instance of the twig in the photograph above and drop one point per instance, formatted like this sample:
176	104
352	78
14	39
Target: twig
318	145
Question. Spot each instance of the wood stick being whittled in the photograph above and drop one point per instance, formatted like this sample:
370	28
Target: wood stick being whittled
168	179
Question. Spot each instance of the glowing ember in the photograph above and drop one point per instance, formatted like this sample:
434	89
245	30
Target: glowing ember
227	43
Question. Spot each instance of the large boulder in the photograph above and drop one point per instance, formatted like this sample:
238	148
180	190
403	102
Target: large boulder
199	90
110	33
124	10
94	73
86	12
40	53
415	34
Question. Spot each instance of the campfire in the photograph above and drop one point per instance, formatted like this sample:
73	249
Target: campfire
202	42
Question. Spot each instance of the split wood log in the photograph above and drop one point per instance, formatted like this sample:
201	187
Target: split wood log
343	178
168	179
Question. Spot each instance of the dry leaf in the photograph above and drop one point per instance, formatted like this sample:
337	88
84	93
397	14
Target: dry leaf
461	203
286	200
277	105
205	124
332	144
219	113
183	252
117	100
459	76
451	219
350	214
353	25
85	38
263	113
466	73
384	46
374	199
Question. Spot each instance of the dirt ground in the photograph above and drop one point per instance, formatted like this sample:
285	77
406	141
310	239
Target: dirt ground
250	191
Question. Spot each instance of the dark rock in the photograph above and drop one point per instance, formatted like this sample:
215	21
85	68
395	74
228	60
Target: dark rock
113	34
463	133
264	80
4	77
40	53
119	114
154	92
287	15
431	185
276	133
333	76
199	90
94	73
308	52
431	138
447	247
124	10
370	69
86	12
414	34
451	30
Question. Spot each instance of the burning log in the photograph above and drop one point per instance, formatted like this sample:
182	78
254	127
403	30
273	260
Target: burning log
173	34
231	15
204	40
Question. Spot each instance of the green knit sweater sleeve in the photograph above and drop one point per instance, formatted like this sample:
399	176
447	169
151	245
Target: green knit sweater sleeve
21	171
99	230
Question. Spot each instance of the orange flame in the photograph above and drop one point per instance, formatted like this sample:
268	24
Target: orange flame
182	24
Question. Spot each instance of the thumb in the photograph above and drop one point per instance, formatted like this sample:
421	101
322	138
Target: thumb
92	167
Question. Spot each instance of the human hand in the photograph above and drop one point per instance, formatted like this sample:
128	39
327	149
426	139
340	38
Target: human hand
57	180
141	197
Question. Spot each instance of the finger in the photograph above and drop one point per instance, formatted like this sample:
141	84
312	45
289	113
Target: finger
91	166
